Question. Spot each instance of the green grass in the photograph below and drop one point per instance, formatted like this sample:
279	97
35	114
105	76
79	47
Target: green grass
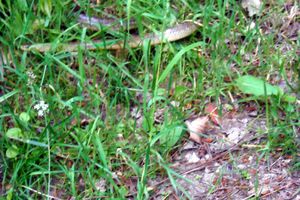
91	95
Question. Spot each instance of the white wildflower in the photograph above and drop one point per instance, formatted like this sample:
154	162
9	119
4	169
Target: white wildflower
42	108
31	77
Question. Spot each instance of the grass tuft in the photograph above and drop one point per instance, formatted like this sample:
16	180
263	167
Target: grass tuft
110	125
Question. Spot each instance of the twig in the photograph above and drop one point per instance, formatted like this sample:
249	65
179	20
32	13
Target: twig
233	193
248	197
217	156
40	193
253	146
295	194
270	193
227	188
222	153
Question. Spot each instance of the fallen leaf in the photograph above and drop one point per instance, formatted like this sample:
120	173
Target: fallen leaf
207	140
212	110
197	127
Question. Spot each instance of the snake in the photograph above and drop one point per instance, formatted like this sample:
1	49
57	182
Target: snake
174	33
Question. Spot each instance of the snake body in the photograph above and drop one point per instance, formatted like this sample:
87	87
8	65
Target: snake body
174	33
94	23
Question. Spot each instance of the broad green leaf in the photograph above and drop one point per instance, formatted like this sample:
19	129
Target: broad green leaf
24	117
255	86
14	133
180	90
171	135
12	151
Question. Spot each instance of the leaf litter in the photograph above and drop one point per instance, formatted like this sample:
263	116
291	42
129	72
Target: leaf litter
231	167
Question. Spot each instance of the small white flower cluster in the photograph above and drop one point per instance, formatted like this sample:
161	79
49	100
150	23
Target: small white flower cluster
42	108
31	77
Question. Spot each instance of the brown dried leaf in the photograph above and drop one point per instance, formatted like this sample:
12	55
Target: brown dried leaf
212	110
197	127
208	140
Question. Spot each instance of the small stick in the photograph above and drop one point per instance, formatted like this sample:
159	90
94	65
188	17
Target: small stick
251	146
40	193
270	193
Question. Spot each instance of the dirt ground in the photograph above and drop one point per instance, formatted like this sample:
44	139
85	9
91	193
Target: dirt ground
232	167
